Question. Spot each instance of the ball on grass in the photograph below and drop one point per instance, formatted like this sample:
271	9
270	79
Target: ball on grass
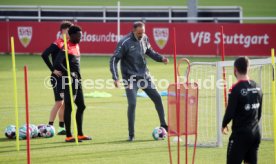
10	132
46	131
34	131
23	132
159	133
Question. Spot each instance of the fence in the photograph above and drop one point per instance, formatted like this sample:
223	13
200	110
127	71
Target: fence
127	13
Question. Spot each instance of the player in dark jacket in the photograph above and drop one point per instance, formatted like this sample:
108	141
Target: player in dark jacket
74	62
52	51
131	50
244	109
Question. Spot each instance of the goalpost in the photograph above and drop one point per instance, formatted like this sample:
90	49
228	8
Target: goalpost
211	98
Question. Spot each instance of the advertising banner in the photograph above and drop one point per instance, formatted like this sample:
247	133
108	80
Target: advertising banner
191	38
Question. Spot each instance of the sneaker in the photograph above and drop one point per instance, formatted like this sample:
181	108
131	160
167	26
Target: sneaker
84	138
61	131
165	127
131	139
71	139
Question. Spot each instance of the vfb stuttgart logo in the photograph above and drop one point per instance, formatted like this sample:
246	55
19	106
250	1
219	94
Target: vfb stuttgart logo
161	36
25	35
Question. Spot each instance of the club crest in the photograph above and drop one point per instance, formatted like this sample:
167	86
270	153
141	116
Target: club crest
25	35
161	36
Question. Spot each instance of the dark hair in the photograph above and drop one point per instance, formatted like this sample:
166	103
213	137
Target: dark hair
74	29
242	64
65	25
138	24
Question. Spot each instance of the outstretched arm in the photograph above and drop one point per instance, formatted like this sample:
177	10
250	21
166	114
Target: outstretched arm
154	55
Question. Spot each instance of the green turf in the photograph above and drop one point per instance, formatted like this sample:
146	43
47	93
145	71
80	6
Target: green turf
105	119
250	8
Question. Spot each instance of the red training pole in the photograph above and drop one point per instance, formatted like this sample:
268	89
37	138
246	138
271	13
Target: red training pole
174	57
177	97
223	69
27	113
186	117
195	144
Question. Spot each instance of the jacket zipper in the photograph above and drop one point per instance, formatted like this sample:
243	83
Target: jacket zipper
141	51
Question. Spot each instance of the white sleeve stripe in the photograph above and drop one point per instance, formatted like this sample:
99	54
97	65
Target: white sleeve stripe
114	71
125	41
113	63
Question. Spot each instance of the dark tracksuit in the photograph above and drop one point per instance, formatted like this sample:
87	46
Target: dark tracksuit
53	50
244	109
132	54
74	62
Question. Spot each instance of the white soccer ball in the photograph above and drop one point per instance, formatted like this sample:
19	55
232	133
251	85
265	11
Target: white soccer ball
34	131
159	133
50	131
23	132
10	132
46	131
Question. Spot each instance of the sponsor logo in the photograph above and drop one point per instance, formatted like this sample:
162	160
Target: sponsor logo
253	90
256	106
25	35
244	92
96	38
161	36
247	107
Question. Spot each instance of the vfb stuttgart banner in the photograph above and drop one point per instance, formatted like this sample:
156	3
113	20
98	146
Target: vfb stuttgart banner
191	38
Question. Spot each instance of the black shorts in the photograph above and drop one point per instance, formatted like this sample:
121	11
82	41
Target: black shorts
243	147
57	87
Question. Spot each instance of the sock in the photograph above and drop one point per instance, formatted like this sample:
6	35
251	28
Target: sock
51	123
69	135
61	124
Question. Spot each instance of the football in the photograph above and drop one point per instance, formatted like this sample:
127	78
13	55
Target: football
159	133
23	132
46	131
10	132
41	130
50	131
34	131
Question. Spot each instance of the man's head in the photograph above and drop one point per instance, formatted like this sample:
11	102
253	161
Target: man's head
64	27
241	66
138	29
75	34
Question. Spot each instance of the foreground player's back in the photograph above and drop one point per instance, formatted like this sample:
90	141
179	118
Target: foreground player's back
246	97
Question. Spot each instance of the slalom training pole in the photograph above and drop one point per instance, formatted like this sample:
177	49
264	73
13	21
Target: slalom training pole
70	89
223	71
177	96
273	99
27	113
169	142
186	114
186	103
15	93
